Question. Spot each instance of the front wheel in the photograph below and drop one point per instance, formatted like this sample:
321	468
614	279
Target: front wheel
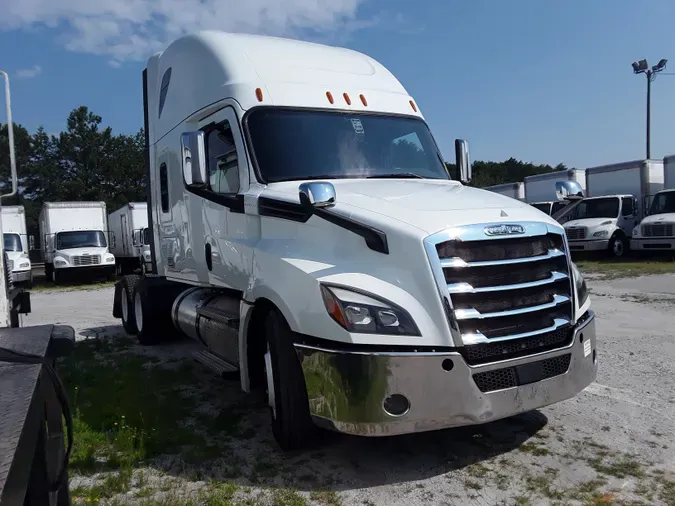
617	246
292	425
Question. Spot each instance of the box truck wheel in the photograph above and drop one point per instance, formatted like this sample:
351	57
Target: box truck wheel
617	245
292	425
126	303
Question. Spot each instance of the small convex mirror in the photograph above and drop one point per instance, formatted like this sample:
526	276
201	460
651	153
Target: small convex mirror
317	194
568	190
193	158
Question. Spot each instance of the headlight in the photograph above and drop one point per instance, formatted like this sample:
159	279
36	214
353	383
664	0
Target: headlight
60	263
636	231
601	233
366	314
580	284
110	258
24	265
147	256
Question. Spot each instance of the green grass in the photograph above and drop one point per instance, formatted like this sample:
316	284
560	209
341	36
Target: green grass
613	269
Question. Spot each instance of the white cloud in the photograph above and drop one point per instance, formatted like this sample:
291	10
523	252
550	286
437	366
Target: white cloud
133	29
30	73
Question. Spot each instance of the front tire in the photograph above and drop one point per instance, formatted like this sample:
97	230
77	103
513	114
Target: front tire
129	284
292	424
617	246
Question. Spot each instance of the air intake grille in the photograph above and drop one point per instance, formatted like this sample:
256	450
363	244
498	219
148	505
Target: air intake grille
576	233
81	260
657	230
510	377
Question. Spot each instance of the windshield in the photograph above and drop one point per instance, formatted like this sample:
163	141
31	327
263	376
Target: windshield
293	144
80	239
12	242
598	208
663	203
543	207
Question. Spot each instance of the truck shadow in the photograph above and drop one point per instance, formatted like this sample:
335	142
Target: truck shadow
153	407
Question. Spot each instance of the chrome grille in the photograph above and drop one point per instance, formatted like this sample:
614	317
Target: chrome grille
508	296
576	233
86	260
657	230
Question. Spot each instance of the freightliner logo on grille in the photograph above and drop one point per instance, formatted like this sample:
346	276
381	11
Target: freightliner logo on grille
504	229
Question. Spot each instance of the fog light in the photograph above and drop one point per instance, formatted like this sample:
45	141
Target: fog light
396	405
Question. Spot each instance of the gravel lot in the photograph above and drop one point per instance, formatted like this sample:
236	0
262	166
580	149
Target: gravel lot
610	445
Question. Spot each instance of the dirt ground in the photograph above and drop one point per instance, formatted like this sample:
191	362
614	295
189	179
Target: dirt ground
612	444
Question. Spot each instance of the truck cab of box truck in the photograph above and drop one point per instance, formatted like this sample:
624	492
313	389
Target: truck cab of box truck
16	244
549	208
75	240
603	224
656	232
127	225
306	232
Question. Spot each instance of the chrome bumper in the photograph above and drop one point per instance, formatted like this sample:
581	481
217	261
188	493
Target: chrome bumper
19	276
347	390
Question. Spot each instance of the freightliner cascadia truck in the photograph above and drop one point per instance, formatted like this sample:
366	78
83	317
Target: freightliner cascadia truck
306	232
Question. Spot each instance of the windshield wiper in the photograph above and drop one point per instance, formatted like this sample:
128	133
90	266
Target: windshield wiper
396	175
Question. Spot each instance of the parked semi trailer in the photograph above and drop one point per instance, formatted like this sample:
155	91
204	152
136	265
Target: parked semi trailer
656	232
16	244
74	235
129	237
617	196
305	231
513	190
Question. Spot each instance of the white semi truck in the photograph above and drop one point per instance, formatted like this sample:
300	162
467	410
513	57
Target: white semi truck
74	239
16	244
617	194
540	188
656	232
513	190
305	231
129	237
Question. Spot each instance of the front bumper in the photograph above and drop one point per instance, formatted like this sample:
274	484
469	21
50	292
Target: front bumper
347	390
653	244
20	276
589	245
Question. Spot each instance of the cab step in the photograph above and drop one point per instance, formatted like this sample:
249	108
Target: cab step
216	364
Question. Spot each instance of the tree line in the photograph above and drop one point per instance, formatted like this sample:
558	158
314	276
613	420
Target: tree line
87	161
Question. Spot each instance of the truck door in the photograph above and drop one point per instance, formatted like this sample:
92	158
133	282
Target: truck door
628	218
225	239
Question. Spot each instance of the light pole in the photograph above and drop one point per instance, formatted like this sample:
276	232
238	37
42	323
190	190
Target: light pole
642	67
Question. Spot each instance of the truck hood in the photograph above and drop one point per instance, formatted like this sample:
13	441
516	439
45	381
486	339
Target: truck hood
430	205
67	254
590	222
659	218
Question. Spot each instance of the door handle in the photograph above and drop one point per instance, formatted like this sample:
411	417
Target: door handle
208	255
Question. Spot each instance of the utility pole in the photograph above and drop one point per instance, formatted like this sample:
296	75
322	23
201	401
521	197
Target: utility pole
642	67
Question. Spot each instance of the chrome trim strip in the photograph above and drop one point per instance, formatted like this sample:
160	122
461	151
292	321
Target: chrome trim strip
477	232
458	262
470	314
380	353
467	288
479	338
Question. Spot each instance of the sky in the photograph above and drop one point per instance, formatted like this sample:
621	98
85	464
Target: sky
541	81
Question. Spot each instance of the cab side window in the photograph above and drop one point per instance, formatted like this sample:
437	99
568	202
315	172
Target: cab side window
223	163
627	207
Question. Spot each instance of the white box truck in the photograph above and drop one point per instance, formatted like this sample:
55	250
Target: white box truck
306	232
513	190
74	238
656	231
129	237
617	196
16	244
540	188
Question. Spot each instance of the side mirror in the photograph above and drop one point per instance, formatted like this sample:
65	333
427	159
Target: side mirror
31	242
462	160
317	195
194	158
568	190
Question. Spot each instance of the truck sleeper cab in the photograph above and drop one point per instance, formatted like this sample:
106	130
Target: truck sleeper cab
656	232
305	231
603	224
